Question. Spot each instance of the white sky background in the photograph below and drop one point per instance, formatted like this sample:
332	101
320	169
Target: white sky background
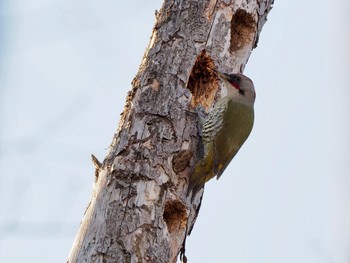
65	69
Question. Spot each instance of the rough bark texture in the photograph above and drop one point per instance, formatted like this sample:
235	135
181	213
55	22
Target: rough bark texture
139	209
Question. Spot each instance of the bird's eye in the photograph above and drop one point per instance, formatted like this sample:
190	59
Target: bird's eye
238	79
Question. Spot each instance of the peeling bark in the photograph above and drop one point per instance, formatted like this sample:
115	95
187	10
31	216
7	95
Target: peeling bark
139	209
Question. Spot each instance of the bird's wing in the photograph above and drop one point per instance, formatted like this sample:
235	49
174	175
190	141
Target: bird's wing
237	125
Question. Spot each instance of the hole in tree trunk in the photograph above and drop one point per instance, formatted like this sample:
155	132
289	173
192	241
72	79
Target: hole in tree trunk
175	216
242	29
203	82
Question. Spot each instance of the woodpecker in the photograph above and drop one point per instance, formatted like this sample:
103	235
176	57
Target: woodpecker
225	129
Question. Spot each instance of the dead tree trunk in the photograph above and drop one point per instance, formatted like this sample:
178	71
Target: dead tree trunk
139	209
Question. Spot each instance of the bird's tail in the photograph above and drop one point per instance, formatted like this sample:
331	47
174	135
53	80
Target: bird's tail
202	173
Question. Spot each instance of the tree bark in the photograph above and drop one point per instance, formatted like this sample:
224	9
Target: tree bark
139	209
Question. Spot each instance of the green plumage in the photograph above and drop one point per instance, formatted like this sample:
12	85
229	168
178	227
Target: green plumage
224	131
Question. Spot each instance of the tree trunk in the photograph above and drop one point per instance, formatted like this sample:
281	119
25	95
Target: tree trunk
139	209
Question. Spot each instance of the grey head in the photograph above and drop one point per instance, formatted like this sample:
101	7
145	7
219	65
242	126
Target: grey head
239	87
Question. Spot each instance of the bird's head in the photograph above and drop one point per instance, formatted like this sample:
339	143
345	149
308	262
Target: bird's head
239	86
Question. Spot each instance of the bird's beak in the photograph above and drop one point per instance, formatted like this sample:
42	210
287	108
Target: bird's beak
221	74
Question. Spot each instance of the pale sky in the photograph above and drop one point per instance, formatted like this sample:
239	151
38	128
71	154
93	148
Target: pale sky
65	69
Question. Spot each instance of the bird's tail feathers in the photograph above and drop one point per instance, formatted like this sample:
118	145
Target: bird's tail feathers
201	174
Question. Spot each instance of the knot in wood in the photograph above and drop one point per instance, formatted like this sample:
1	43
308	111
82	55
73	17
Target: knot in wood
181	160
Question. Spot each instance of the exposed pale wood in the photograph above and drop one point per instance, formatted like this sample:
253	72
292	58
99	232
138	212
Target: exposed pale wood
139	208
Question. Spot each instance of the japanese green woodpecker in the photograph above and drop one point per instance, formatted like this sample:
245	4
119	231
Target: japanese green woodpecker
225	129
